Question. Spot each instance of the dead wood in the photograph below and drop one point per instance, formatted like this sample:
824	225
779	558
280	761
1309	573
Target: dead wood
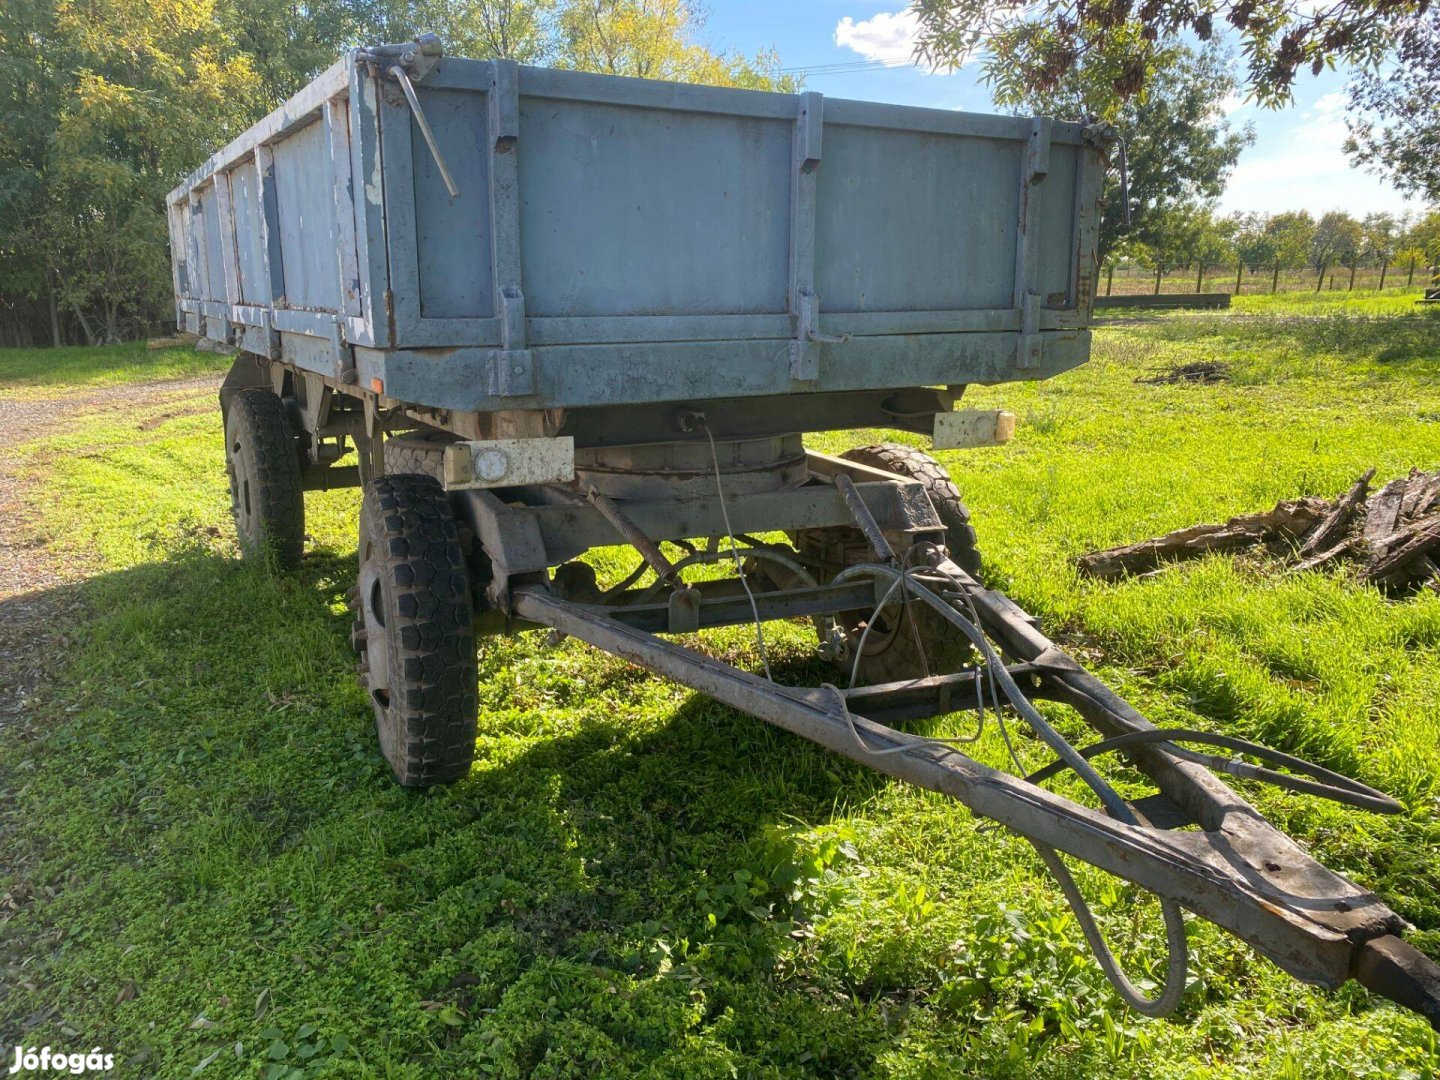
1393	534
1337	522
1422	536
1382	514
1315	561
1288	521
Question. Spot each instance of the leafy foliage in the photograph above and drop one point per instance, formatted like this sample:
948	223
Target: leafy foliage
1040	43
1394	118
111	100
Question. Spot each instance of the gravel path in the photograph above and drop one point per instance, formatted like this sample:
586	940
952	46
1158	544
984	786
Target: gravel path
39	597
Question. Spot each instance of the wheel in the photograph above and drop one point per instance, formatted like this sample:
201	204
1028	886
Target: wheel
414	630
892	652
419	452
915	464
263	466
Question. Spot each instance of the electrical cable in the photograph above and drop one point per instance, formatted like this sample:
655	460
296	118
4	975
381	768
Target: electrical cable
1323	782
735	548
1177	953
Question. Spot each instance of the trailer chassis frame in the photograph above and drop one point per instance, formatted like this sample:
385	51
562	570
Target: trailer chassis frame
1197	841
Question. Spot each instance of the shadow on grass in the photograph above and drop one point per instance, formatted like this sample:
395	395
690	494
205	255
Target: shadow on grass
198	809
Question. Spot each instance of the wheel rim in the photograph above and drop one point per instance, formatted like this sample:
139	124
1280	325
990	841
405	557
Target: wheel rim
240	504
887	624
372	642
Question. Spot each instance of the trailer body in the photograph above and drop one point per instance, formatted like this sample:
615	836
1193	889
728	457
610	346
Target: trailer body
621	241
552	312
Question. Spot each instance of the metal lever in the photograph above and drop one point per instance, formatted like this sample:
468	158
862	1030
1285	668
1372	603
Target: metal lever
404	80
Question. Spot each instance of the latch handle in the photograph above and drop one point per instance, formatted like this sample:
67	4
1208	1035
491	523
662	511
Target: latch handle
404	80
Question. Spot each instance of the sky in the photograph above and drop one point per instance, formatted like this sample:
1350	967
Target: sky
862	48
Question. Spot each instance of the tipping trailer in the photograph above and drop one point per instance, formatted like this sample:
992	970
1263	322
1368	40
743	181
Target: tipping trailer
549	311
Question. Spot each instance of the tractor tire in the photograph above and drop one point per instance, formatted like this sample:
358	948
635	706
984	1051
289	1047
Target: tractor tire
892	652
421	453
263	466
915	464
414	630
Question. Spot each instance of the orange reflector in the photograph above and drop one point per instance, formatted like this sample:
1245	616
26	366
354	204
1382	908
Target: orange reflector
377	385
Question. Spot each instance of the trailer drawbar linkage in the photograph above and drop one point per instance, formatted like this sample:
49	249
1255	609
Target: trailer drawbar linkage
1195	843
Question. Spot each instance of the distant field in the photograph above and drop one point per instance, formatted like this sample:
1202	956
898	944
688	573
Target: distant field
204	867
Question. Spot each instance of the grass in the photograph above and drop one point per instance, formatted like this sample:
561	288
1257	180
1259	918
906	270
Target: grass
38	373
204	867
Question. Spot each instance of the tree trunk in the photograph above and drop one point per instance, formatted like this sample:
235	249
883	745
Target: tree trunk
1200	277
1109	278
112	323
1158	271
84	325
1320	281
1275	279
1410	277
1384	266
1239	269
1352	278
55	339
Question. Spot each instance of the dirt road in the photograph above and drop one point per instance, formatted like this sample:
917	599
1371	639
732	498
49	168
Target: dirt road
39	600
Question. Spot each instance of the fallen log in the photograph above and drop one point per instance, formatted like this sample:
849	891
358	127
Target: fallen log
1287	521
1382	515
1422	536
1420	493
1397	541
1316	561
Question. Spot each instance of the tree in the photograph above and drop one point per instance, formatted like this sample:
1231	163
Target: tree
1035	43
1338	238
1208	243
654	39
520	30
1425	235
1290	237
1181	234
107	103
1381	232
1410	258
1253	243
1179	148
1394	115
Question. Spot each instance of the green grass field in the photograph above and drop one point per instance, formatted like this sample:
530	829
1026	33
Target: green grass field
32	373
204	869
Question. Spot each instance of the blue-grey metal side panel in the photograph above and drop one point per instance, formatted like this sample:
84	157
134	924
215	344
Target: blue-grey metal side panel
588	375
210	224
244	193
305	195
455	278
633	211
915	220
622	240
1058	227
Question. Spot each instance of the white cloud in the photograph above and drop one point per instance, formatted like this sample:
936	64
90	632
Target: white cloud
887	37
1306	168
1232	103
1328	108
